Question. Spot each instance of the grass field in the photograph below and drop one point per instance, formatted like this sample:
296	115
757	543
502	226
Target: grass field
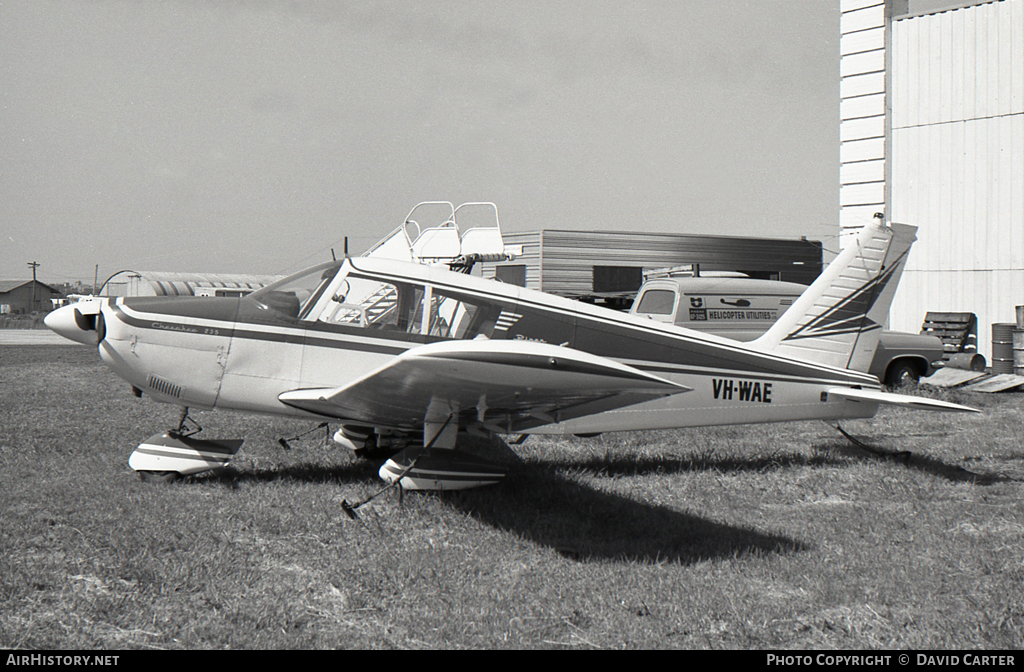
746	537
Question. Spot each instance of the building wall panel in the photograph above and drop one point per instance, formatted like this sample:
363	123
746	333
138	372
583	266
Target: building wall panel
862	171
862	114
869	193
859	64
854	5
862	150
870	16
862	107
957	168
866	127
862	85
959	65
1016	20
863	40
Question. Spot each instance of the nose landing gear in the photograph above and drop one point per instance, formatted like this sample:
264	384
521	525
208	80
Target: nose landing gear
164	457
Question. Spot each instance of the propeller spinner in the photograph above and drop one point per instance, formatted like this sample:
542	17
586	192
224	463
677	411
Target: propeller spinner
77	322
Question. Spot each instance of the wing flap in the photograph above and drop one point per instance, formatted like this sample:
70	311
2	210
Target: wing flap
511	384
907	401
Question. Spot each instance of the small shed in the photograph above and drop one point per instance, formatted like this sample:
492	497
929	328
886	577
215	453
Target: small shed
22	297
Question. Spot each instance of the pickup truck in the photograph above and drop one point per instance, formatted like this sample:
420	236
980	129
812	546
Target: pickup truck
743	308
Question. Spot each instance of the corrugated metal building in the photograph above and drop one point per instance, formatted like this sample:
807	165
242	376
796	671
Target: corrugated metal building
958	160
950	159
584	263
156	283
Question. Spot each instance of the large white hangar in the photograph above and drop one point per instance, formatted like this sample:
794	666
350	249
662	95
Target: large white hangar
932	132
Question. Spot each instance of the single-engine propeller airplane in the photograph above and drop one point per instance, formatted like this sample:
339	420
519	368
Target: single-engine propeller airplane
407	357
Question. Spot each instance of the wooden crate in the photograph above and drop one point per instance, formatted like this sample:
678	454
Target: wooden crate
958	331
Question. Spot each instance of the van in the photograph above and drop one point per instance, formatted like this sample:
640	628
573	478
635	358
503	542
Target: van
743	308
738	308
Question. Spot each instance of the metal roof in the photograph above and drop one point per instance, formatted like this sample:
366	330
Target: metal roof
949	6
164	283
8	285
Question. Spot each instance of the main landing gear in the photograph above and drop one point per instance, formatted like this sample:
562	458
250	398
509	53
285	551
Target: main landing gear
165	457
437	465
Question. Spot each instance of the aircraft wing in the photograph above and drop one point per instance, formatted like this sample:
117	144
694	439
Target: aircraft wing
879	397
505	386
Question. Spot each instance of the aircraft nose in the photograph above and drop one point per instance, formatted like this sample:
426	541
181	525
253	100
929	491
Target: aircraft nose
71	323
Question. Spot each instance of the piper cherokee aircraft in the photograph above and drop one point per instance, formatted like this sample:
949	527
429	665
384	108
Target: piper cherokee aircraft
408	357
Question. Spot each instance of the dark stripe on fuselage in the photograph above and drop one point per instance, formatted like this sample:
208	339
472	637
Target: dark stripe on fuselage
232	329
220	308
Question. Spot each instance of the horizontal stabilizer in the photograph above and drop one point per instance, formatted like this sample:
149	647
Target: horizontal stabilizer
879	397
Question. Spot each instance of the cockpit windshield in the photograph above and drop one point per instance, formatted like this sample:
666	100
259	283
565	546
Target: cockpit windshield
297	294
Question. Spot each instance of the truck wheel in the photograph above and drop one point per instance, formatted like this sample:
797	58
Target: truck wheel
901	374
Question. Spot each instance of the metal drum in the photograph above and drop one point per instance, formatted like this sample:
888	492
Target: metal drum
1002	346
1018	352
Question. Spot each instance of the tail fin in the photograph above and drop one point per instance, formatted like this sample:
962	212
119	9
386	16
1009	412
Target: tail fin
838	319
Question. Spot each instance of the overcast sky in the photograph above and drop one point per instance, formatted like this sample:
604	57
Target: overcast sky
253	136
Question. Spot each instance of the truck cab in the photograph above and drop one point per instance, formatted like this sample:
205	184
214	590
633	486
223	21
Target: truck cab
743	308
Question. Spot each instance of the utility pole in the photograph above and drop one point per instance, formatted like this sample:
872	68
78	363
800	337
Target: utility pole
33	265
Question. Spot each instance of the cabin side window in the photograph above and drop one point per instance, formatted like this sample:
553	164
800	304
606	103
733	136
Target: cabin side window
375	304
461	317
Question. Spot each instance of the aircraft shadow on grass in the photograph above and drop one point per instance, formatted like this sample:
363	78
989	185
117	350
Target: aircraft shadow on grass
923	463
626	465
833	453
583	523
537	504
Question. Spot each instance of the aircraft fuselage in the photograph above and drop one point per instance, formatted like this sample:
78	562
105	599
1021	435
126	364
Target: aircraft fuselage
243	353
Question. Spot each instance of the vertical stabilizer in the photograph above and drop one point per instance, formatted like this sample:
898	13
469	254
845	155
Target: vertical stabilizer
838	319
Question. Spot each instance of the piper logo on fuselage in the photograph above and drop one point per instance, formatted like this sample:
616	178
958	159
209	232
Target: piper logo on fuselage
741	390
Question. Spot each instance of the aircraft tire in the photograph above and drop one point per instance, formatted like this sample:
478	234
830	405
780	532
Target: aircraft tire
158	476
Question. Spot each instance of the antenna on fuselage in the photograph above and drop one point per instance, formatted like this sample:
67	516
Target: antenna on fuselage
334	257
